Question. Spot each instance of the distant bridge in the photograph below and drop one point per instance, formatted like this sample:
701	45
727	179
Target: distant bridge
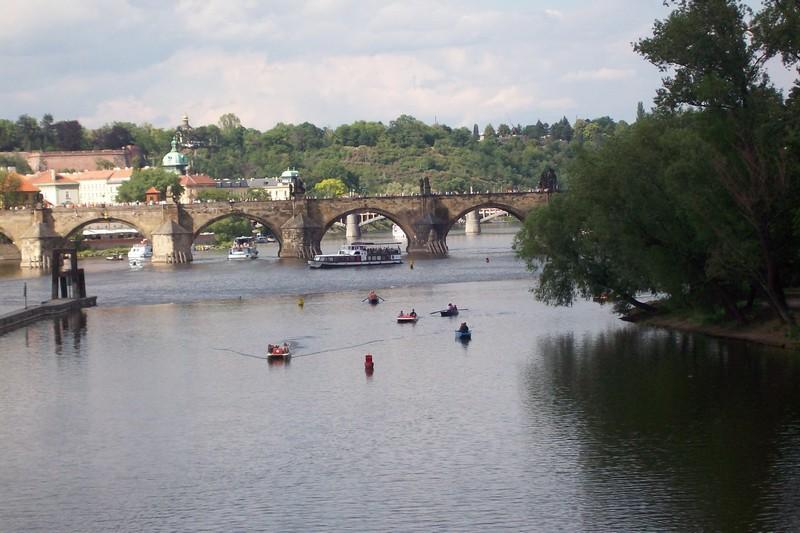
366	218
298	224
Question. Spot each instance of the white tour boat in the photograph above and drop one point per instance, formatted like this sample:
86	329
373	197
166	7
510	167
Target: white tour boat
360	254
243	248
140	252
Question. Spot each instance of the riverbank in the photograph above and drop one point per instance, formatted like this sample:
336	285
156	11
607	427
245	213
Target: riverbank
761	329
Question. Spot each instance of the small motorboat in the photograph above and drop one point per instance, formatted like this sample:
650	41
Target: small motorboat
404	318
278	351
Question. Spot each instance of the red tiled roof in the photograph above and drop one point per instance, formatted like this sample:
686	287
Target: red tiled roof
198	180
26	186
44	177
152	190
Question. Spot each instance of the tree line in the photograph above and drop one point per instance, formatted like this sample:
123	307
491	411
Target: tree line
367	157
697	202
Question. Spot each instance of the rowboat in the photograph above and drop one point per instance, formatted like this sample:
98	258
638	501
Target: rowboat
402	319
449	312
278	351
463	335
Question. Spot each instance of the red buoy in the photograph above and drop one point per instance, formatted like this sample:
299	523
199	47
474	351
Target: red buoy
369	366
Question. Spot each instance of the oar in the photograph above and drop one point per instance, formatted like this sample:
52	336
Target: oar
381	297
434	312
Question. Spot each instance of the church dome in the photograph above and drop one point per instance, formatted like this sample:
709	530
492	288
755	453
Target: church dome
174	159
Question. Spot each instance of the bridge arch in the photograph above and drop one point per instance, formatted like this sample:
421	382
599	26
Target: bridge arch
516	213
69	231
9	251
242	214
384	213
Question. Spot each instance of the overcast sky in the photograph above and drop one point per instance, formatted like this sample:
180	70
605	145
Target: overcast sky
328	62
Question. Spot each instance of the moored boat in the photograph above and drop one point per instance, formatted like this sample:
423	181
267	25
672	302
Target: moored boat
243	248
140	252
360	254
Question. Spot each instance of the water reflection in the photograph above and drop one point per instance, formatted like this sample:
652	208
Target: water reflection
695	420
71	325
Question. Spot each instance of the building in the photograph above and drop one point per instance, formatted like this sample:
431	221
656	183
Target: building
98	187
193	185
79	160
56	189
281	188
93	187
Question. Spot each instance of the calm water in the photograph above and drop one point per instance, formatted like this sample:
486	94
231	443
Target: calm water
156	410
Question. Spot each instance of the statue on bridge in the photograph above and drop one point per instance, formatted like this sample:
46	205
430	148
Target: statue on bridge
424	186
548	181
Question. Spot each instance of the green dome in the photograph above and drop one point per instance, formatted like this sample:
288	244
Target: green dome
174	158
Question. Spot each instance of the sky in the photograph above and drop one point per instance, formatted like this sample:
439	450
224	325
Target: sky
328	62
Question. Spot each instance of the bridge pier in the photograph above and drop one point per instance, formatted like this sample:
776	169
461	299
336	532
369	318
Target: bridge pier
429	237
353	230
300	238
473	225
172	243
38	242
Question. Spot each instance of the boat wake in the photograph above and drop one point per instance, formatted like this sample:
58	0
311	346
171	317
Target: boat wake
329	350
242	353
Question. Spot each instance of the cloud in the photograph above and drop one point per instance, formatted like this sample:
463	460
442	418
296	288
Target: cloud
600	74
325	61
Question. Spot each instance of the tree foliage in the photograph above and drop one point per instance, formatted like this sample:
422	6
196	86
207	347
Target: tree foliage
699	200
330	188
9	183
141	180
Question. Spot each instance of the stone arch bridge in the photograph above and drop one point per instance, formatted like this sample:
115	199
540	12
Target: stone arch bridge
297	224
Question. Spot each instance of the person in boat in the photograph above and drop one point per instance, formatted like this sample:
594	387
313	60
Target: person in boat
413	313
402	313
449	307
454	309
464	328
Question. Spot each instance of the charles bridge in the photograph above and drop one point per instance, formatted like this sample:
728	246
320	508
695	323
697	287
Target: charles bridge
298	224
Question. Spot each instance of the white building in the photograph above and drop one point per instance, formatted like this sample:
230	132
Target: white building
93	187
278	188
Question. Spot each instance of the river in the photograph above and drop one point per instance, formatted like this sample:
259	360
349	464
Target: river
156	410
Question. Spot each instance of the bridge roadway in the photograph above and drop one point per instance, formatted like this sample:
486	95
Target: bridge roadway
298	224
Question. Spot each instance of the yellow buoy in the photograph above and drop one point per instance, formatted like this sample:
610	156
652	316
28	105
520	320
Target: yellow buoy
301	302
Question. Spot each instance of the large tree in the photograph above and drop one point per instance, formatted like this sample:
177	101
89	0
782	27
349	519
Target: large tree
716	66
9	183
696	200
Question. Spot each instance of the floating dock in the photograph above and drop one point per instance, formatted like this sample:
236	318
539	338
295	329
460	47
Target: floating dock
50	308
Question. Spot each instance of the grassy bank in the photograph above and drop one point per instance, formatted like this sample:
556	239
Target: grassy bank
762	326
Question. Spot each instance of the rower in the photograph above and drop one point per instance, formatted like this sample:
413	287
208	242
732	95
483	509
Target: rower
464	328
